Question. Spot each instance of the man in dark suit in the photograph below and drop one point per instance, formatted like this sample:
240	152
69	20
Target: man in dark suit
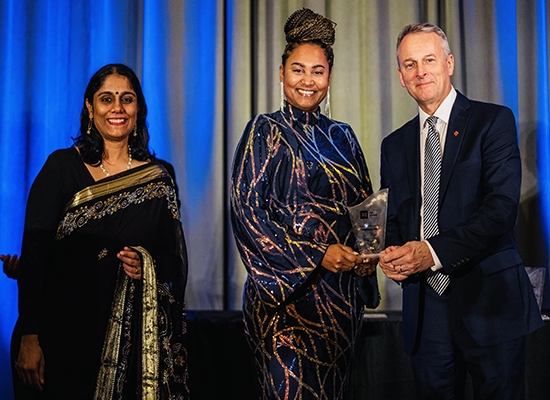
454	176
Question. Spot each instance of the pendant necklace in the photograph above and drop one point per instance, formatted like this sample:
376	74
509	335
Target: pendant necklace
101	167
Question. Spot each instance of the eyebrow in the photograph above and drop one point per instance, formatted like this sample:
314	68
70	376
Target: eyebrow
121	94
413	59
303	65
422	57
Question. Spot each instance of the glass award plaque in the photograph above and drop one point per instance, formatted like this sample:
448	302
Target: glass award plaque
369	224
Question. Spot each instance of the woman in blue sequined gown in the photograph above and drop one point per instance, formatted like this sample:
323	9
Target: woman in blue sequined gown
295	171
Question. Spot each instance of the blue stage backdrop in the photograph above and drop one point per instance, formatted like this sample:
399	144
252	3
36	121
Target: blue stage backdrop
185	54
50	50
543	112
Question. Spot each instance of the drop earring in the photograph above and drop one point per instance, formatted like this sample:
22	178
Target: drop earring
90	122
327	104
135	130
282	105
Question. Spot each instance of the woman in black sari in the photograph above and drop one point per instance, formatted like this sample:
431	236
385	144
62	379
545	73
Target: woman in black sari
103	266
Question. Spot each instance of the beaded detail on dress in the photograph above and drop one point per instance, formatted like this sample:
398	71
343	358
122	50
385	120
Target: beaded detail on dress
294	174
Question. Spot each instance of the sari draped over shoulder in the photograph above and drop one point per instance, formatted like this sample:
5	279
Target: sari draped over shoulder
130	333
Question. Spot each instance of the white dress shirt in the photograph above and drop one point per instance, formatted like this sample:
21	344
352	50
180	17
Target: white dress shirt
443	114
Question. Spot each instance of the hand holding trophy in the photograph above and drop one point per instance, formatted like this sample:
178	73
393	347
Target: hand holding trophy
369	225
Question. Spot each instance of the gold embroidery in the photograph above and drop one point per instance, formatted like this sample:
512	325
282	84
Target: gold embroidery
149	329
105	384
113	186
81	216
102	254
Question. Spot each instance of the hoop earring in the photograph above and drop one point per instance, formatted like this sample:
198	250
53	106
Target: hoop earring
135	130
282	105
90	122
327	104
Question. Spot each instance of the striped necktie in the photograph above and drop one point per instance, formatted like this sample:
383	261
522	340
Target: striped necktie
432	170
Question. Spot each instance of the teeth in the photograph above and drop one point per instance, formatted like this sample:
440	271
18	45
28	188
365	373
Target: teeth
116	121
306	92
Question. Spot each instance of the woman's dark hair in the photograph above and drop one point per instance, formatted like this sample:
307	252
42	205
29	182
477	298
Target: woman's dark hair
91	145
305	26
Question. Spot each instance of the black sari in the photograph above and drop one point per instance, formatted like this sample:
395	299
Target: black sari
103	334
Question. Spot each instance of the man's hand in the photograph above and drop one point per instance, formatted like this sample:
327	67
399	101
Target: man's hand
399	262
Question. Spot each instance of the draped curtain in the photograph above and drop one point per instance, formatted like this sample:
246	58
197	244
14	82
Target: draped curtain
208	66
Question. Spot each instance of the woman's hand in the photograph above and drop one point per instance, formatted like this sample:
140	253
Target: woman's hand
339	258
366	267
11	265
30	362
130	262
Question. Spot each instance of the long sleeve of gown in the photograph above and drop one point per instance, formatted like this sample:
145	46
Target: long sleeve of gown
278	255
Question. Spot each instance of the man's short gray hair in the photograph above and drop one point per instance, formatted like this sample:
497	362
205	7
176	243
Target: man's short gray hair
425	27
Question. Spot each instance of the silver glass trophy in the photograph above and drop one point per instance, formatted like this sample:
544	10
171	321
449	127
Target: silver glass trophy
369	224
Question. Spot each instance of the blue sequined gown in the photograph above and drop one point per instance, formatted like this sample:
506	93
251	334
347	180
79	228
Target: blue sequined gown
293	175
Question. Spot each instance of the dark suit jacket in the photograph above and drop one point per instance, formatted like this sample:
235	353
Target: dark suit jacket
478	205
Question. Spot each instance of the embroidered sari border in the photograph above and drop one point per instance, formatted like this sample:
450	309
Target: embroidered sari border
150	354
105	384
150	359
112	186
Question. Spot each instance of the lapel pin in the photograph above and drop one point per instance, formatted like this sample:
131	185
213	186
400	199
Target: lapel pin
456	133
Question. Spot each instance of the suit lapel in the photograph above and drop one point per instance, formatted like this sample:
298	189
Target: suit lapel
411	140
458	120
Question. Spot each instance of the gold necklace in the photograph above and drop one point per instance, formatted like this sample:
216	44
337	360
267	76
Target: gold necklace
101	167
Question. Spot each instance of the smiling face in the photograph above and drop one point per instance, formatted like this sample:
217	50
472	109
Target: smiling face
305	76
114	108
424	69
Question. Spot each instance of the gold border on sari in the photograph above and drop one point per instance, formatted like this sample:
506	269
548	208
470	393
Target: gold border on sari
112	186
113	196
150	350
105	383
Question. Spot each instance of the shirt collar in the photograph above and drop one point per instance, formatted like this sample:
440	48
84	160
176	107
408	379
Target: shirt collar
443	112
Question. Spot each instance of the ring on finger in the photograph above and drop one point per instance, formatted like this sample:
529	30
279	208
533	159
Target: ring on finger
137	271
